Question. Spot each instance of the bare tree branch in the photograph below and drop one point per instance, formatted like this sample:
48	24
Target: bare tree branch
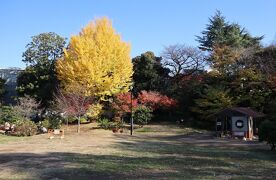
27	107
181	59
73	102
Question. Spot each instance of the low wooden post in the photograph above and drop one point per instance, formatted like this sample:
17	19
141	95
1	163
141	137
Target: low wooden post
50	133
62	134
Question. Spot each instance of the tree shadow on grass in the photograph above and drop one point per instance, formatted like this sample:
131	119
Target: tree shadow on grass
63	165
87	166
243	159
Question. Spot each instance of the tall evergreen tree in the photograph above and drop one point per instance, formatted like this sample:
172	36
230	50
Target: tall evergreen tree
232	81
39	79
221	32
211	100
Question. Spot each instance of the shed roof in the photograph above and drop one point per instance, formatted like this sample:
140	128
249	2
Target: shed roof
240	111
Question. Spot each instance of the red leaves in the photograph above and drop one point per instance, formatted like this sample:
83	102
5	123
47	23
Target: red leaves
75	102
151	99
155	100
123	102
185	80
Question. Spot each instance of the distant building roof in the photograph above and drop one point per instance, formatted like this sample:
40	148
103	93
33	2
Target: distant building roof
234	111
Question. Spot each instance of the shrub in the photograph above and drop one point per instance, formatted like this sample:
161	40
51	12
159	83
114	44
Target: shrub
119	125
27	107
9	114
104	123
45	123
268	133
54	121
83	120
69	119
25	127
142	115
94	111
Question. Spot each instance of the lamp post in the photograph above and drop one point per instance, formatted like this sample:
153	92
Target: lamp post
131	115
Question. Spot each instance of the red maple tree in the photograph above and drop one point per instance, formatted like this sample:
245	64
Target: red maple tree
155	100
150	99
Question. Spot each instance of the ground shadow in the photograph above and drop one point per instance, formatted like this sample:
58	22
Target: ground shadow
83	166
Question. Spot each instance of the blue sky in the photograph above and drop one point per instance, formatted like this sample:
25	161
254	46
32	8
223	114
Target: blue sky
146	24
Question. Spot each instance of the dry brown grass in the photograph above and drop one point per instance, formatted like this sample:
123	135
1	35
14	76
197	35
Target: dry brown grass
156	151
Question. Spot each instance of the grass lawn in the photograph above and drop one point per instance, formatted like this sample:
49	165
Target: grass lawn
154	151
5	139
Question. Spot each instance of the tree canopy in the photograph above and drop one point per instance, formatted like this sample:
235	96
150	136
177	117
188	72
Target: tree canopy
98	59
39	79
219	31
149	74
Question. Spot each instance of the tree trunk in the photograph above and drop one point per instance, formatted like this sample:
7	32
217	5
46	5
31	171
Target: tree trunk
78	131
67	123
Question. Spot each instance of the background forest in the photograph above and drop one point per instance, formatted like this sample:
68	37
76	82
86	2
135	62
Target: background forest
230	67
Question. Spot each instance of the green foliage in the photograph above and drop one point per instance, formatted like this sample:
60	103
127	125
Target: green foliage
270	109
69	119
265	60
9	114
25	127
39	78
267	133
148	72
25	109
54	120
212	100
83	120
235	66
219	31
142	115
119	124
45	123
105	123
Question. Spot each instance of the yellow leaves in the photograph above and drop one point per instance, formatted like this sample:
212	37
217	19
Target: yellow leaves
98	59
250	74
94	111
225	58
224	55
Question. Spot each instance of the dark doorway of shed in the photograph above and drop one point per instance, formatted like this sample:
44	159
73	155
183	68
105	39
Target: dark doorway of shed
224	126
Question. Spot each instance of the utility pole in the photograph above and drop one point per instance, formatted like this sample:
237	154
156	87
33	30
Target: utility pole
131	115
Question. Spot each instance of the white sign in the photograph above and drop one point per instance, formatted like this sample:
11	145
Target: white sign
239	124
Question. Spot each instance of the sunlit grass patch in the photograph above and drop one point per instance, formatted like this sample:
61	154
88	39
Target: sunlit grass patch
5	139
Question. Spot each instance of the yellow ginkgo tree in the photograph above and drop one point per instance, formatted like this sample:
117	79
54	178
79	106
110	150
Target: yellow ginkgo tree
96	59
